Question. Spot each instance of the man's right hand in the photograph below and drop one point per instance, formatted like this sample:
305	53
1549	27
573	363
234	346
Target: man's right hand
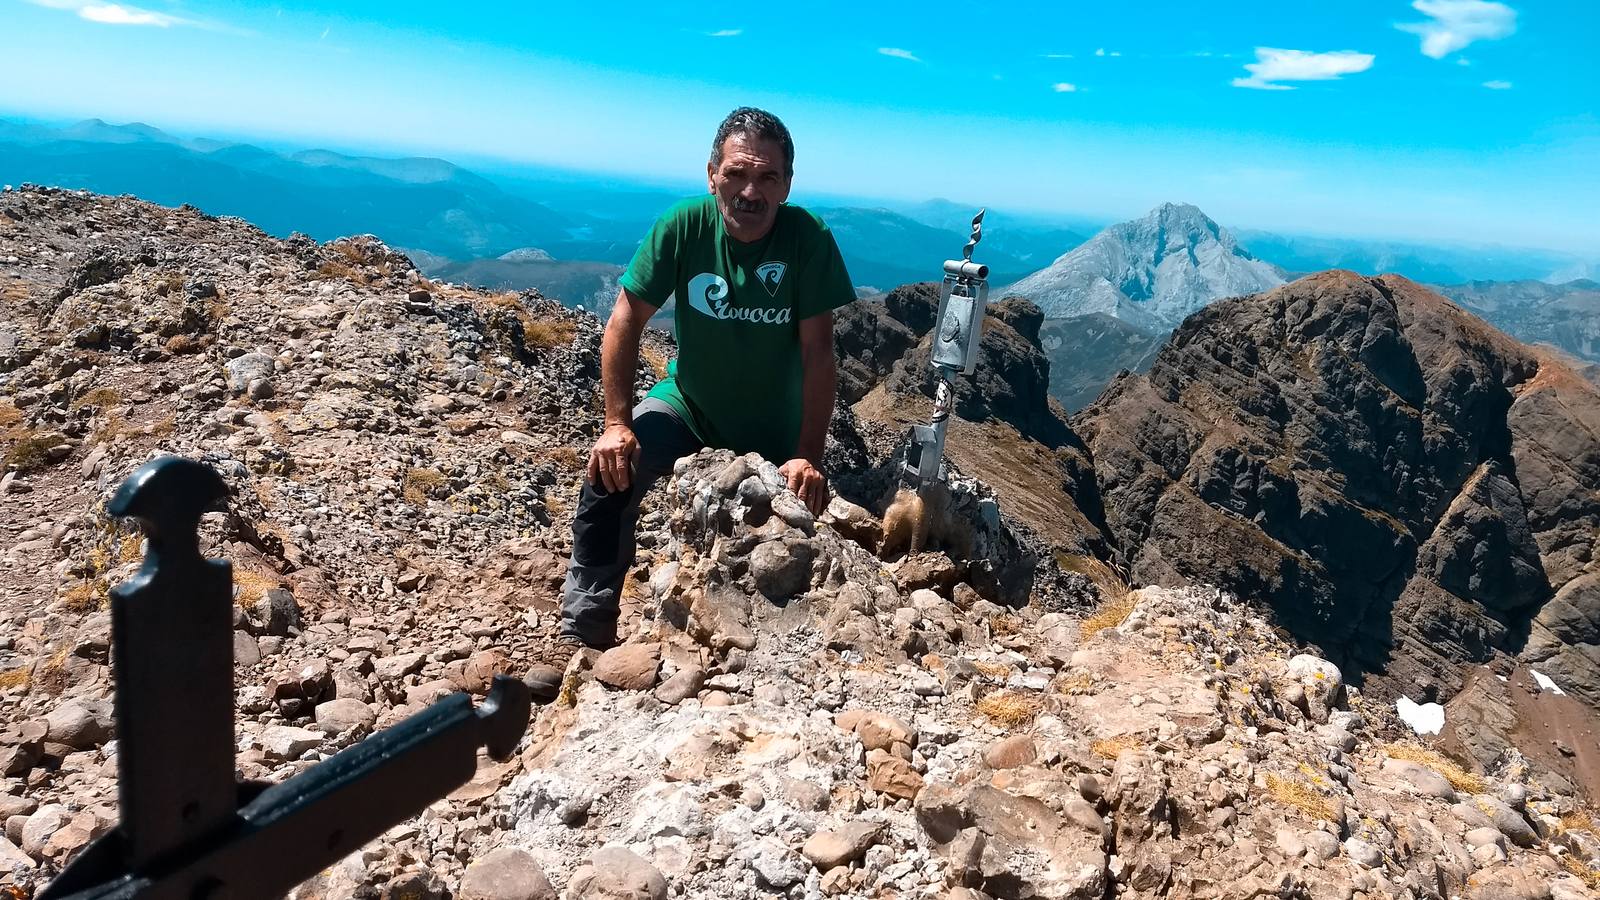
611	461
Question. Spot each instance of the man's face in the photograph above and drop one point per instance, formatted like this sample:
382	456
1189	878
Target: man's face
749	185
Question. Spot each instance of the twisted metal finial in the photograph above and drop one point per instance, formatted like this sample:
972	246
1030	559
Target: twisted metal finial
977	234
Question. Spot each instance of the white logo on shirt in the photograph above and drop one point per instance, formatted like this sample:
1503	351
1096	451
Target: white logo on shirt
708	293
771	275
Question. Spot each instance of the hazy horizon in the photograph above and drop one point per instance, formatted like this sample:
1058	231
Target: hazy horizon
503	168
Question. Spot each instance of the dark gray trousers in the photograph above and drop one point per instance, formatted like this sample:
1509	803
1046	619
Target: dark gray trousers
603	545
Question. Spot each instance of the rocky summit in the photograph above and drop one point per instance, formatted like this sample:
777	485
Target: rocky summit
797	709
1150	272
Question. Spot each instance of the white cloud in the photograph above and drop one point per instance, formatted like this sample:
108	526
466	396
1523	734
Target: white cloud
726	32
114	13
897	53
1064	87
1273	65
1104	52
1497	85
1056	55
1453	24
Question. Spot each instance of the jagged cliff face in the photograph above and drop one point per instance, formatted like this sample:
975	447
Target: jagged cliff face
1407	487
1150	272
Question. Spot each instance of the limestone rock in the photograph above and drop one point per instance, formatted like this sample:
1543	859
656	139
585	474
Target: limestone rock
630	667
616	873
508	873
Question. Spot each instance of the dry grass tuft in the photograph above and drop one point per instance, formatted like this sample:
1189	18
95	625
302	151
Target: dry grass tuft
1010	708
569	458
547	334
420	484
30	451
1076	685
15	678
993	670
1590	876
100	397
1112	747
1103	576
132	548
1578	820
1005	625
180	344
249	585
9	414
84	596
1110	614
1459	778
1301	795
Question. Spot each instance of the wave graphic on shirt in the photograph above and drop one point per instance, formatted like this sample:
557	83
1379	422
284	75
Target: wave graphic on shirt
708	294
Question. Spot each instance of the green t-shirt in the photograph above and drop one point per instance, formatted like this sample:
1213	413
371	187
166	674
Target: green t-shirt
736	381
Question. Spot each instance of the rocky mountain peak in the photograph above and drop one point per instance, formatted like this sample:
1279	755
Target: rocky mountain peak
1151	272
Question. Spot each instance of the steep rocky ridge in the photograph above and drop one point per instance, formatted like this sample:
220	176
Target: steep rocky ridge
1406	486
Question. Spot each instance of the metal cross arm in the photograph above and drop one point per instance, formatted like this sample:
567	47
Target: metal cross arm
188	829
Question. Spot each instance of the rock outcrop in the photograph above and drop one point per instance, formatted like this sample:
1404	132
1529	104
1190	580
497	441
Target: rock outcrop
1407	487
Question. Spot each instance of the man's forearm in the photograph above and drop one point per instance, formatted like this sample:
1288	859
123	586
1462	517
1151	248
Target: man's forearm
619	363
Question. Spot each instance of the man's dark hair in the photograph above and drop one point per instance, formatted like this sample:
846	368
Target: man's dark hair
754	123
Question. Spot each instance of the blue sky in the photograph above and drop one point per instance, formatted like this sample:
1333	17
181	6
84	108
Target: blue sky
1438	119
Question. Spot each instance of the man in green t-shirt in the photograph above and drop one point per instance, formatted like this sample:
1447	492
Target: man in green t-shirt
756	283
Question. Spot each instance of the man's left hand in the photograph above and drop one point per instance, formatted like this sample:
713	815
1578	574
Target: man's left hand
807	482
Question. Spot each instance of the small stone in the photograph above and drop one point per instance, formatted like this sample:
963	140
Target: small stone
1012	752
80	724
341	715
1420	778
828	849
881	732
680	687
1324	845
630	667
617	873
776	865
889	774
509	873
1478	837
39	828
286	742
277	611
1089	788
1363	853
398	666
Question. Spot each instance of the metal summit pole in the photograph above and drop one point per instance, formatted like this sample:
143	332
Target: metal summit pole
962	299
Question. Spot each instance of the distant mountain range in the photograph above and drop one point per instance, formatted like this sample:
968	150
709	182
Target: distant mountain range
1564	316
569	234
460	224
1419	262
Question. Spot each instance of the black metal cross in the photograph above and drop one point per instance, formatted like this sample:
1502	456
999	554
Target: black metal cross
188	830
